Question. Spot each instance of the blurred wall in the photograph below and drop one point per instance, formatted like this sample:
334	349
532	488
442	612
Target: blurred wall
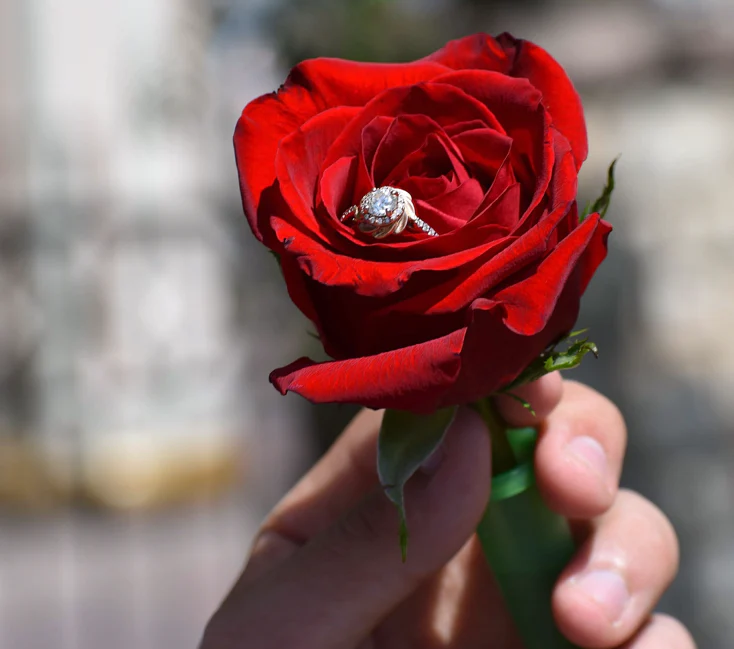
140	442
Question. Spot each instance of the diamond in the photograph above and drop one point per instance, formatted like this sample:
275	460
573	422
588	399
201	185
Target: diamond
381	202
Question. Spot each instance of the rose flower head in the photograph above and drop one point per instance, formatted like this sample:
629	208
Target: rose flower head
425	218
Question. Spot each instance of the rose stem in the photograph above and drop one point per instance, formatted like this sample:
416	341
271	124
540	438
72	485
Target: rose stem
503	457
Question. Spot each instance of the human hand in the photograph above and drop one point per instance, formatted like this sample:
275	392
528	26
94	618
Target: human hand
325	569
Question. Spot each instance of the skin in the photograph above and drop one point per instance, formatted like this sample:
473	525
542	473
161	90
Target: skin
325	568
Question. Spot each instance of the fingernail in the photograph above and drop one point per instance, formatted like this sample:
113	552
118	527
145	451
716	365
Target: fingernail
606	588
590	452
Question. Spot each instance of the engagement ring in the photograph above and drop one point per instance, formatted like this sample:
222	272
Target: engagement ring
386	210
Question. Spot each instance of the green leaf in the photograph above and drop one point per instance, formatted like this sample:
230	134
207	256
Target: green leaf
553	359
406	441
601	204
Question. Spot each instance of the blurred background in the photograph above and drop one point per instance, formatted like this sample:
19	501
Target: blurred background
140	441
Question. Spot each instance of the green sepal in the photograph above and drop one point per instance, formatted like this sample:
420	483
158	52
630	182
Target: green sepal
601	204
406	441
572	357
553	359
523	402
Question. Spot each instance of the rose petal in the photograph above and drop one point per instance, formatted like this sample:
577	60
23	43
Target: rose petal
441	221
461	127
503	210
456	206
372	137
559	95
486	269
493	355
358	325
332	267
335	187
460	367
478	51
437	157
263	123
530	302
561	188
411	378
428	187
517	105
504	178
311	87
298	163
373	278
407	135
523	59
338	82
443	103
296	286
594	254
483	151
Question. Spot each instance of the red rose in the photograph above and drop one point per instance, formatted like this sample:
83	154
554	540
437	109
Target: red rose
487	135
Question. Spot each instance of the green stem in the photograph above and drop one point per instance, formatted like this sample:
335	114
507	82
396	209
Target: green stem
503	457
525	543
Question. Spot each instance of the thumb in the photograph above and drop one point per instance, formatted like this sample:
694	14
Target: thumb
335	589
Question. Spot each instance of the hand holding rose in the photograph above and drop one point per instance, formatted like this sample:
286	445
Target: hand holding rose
324	571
